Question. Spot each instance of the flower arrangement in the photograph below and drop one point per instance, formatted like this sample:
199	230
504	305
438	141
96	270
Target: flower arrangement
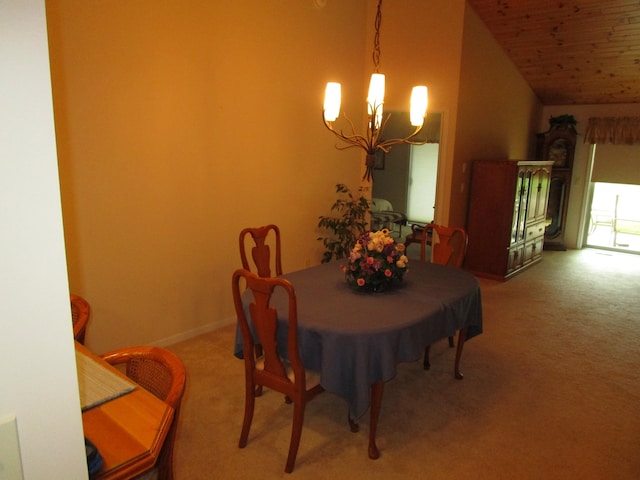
376	262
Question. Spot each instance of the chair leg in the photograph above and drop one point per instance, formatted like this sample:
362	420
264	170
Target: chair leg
426	364
249	404
462	336
296	433
258	351
353	425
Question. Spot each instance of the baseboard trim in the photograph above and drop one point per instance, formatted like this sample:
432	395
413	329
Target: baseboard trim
193	332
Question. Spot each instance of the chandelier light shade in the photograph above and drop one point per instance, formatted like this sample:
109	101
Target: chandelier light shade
372	141
419	102
375	98
332	98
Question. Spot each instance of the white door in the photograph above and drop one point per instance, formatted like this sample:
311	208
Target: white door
423	176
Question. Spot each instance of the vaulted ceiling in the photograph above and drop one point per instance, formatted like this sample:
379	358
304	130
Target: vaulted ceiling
571	52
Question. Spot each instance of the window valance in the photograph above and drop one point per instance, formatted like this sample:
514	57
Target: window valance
615	130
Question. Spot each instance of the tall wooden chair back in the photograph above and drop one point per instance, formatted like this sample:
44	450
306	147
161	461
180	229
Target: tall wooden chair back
163	374
80	313
261	251
448	247
271	370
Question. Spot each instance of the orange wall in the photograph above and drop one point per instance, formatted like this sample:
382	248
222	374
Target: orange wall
422	45
178	124
445	45
497	115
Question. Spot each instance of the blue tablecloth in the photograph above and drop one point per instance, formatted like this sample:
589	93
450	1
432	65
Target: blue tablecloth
356	339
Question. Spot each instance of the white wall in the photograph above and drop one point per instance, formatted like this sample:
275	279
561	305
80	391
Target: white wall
37	362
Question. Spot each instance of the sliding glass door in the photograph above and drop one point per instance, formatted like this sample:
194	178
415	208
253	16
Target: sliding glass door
614	217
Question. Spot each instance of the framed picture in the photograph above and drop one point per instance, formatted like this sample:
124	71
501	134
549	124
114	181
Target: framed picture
380	158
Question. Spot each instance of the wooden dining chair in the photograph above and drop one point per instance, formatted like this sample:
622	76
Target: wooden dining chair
420	235
448	247
163	374
270	370
80	313
261	255
261	251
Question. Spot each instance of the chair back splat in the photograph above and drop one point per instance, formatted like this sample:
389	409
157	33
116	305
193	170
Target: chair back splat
163	374
449	245
261	251
271	370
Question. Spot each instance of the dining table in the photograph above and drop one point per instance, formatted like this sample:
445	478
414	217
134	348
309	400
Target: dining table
126	423
355	340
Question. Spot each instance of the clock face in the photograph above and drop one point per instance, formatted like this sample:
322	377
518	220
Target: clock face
559	152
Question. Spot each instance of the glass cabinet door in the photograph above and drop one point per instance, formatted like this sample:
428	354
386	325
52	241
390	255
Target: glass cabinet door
518	226
516	211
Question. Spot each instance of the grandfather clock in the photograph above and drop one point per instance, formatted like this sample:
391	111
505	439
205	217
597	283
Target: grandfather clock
557	144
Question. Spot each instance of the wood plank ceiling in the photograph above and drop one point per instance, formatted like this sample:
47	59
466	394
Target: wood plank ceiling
571	52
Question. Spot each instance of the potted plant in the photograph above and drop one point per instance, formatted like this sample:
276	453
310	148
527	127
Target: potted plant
346	223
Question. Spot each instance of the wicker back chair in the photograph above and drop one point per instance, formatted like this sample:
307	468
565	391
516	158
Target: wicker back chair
270	370
261	252
162	373
80	313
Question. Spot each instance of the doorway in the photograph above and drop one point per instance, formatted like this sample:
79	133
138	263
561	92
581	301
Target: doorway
421	190
614	217
407	177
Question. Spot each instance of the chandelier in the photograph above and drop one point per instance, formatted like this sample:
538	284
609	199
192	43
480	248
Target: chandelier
372	141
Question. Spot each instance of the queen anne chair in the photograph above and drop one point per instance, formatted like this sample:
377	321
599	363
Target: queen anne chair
163	374
80	313
261	252
261	255
270	369
448	247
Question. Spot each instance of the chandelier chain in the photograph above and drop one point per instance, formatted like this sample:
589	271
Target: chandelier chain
376	38
372	141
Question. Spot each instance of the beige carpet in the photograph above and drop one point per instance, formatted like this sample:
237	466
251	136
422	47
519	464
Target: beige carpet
551	391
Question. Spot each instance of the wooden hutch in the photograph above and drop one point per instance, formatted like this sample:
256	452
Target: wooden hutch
507	215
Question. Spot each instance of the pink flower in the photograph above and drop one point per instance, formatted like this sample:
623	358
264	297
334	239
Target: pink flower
361	282
388	273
